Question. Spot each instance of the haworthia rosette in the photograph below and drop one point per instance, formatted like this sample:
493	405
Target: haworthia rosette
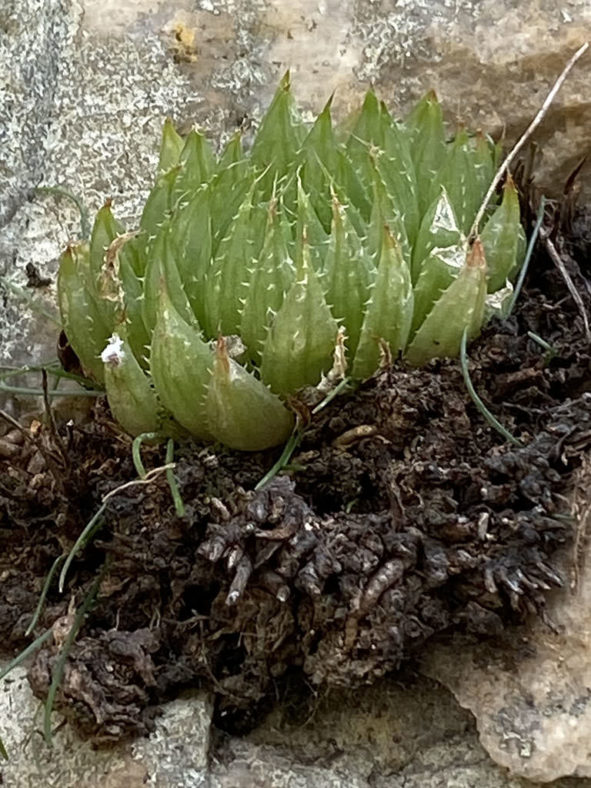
310	238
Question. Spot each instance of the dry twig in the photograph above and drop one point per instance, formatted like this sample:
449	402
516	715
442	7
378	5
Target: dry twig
559	263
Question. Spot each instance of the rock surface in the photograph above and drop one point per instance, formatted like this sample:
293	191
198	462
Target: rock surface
84	87
533	710
175	754
387	736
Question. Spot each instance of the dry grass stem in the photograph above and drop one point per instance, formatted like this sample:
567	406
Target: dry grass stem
559	263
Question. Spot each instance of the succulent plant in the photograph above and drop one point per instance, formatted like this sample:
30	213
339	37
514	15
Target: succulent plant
249	268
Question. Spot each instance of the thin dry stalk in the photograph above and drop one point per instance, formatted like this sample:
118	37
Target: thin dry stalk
149	477
559	263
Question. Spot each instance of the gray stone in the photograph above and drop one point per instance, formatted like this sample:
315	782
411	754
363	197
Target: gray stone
89	122
35	37
70	762
491	63
173	756
388	735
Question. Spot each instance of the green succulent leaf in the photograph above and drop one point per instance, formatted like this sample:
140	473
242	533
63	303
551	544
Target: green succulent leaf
104	231
368	131
459	176
484	161
131	396
365	145
228	278
181	364
137	335
325	168
229	189
243	413
321	249
427	145
397	171
439	230
270	278
278	139
232	154
115	265
82	320
300	342
498	304
350	188
171	146
501	238
160	202
162	265
309	231
348	273
385	213
192	240
388	312
319	163
439	270
134	251
460	307
197	164
105	280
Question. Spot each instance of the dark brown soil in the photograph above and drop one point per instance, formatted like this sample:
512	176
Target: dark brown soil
402	516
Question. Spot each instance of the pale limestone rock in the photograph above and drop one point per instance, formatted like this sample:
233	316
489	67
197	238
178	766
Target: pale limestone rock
491	62
391	735
532	703
175	754
69	763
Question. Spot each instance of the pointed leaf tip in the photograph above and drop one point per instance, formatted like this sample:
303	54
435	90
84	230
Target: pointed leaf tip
221	353
242	412
132	399
476	257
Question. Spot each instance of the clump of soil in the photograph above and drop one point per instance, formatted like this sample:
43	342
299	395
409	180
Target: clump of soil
403	515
